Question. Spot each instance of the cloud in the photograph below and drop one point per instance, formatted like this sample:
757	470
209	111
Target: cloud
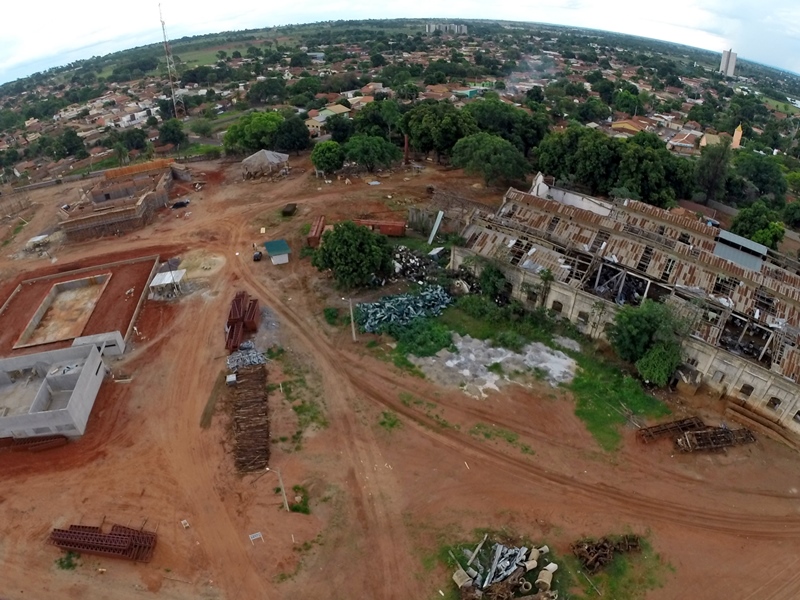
65	32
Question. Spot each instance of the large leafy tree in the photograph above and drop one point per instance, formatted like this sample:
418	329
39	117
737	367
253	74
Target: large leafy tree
354	254
292	135
437	126
253	132
171	132
328	156
523	130
712	169
371	151
650	336
492	157
762	171
340	128
271	90
759	223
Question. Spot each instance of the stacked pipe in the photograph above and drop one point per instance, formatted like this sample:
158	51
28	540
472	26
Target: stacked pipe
122	542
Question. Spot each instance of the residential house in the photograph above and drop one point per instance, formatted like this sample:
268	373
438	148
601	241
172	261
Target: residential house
684	143
334	109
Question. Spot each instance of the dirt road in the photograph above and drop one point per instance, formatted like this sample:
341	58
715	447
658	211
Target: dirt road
381	501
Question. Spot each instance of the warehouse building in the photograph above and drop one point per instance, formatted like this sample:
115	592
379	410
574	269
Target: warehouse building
742	299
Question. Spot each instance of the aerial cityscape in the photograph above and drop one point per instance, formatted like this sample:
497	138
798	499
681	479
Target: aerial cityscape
400	308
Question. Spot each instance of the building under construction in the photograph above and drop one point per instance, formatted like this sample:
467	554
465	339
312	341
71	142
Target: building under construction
126	199
742	299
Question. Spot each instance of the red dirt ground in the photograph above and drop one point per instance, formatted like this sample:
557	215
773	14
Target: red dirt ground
728	525
113	311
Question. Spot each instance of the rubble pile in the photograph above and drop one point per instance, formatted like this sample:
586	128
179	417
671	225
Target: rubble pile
414	266
502	573
245	357
401	309
594	555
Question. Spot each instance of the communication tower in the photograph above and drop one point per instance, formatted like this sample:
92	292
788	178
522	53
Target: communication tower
177	103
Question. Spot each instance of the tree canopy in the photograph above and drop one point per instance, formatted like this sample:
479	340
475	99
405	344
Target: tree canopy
492	157
759	223
437	126
171	132
650	336
254	131
354	254
371	151
292	135
328	156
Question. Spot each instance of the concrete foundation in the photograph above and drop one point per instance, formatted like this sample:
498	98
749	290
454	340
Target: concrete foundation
50	393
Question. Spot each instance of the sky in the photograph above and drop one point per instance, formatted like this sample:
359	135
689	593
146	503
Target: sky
60	32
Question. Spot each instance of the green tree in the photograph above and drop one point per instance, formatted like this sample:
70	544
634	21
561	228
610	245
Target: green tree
759	223
371	151
491	156
762	171
72	143
712	169
269	91
151	121
340	128
120	153
437	126
793	181
377	60
328	156
292	135
523	130
201	127
650	336
354	254
171	132
253	132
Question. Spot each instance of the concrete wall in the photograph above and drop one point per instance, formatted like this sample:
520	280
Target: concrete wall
772	396
108	344
70	421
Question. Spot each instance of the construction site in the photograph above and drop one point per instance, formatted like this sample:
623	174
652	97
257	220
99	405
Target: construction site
182	421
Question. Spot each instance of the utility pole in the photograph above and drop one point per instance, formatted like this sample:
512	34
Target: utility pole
352	320
283	489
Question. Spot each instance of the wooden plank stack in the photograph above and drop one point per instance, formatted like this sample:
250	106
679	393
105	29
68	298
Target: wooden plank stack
250	420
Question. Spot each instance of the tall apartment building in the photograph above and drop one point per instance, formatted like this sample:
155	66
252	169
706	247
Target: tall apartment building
453	28
727	65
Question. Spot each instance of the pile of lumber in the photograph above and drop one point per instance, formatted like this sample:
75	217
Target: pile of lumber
250	420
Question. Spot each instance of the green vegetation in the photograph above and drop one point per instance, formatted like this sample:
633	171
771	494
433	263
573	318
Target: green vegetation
211	405
759	223
331	315
389	421
604	396
328	156
354	254
68	562
491	432
305	228
492	157
301	505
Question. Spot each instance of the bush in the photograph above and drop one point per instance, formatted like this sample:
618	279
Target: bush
423	337
331	315
302	505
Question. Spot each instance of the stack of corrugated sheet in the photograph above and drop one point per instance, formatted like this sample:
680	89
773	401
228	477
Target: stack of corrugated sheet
121	542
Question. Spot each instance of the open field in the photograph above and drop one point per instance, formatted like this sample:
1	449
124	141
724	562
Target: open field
783	107
387	465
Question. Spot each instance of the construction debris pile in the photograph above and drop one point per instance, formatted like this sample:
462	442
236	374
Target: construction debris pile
245	356
594	555
415	266
401	309
123	542
504	573
243	316
693	435
250	420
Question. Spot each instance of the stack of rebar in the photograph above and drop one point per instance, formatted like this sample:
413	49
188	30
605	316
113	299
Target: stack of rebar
123	542
250	420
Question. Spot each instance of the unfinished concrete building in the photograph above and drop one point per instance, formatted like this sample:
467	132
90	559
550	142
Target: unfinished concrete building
126	199
49	393
742	299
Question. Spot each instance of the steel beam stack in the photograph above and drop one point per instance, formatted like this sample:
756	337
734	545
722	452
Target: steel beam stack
122	542
671	429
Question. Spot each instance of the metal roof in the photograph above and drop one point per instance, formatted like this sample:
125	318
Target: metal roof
276	247
737	240
167	278
743	259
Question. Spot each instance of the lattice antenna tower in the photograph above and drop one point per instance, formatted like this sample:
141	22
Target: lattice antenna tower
177	103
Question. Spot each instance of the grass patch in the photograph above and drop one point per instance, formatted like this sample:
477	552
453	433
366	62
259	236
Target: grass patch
307	252
300	506
495	367
275	352
68	562
389	420
305	229
628	576
331	315
603	396
211	405
491	432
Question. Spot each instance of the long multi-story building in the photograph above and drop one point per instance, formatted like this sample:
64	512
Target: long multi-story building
727	65
453	28
741	298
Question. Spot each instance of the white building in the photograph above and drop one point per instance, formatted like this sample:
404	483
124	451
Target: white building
727	65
